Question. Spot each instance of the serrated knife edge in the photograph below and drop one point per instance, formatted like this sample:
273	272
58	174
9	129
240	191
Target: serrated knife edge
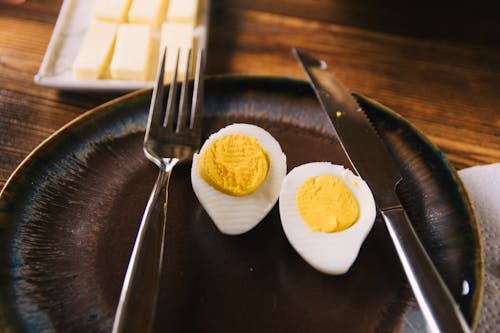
376	166
366	151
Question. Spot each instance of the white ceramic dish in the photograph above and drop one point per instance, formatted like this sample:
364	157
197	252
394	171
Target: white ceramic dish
69	31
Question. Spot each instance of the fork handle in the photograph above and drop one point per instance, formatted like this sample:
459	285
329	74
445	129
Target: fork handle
137	304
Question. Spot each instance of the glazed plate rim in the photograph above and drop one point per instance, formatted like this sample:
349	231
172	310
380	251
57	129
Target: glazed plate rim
90	114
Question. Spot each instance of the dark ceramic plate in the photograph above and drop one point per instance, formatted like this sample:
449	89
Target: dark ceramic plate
70	212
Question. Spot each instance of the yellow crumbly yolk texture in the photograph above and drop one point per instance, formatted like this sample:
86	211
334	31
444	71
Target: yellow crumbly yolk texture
326	204
235	164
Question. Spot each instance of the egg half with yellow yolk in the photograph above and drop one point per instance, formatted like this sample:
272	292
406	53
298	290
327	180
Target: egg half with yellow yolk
326	212
237	176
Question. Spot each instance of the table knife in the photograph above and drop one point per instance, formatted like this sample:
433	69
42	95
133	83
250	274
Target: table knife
372	161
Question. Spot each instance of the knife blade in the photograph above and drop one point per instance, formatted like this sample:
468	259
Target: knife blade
371	159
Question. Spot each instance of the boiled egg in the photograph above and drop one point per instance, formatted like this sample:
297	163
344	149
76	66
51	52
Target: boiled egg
326	212
237	176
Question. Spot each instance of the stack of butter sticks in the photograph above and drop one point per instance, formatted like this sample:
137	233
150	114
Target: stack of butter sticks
119	43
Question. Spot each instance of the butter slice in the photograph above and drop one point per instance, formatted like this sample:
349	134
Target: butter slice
112	10
176	36
131	59
182	10
148	11
96	51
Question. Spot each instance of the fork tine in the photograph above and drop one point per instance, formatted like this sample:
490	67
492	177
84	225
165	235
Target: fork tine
183	104
165	147
172	98
196	107
156	113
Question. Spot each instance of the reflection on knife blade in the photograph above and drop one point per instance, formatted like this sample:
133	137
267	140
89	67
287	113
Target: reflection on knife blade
373	162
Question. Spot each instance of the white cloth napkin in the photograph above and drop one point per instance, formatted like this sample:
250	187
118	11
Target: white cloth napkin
483	186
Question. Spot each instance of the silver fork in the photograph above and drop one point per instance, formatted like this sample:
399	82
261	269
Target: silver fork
172	135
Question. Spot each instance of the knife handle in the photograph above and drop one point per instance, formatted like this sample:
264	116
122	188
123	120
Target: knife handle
440	311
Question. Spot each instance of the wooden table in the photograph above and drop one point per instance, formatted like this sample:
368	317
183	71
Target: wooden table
437	64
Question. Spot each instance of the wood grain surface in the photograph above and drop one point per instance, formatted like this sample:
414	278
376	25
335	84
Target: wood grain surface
435	63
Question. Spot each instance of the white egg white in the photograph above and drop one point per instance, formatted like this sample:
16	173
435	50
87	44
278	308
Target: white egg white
235	215
331	253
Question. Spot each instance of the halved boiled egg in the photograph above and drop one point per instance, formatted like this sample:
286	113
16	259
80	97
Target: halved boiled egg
326	212
237	176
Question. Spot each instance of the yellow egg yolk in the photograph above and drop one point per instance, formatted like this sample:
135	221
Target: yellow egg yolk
235	164
326	204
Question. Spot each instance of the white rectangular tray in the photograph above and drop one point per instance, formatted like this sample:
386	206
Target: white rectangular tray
69	31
